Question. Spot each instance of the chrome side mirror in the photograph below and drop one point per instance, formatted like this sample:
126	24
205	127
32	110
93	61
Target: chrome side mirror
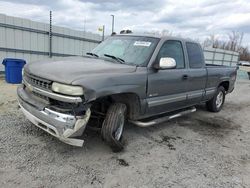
167	63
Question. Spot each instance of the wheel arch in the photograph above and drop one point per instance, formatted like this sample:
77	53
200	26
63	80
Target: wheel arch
224	84
131	100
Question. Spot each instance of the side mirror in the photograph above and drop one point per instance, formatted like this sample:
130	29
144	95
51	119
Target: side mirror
167	63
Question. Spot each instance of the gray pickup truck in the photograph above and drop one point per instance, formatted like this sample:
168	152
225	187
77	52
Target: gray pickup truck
139	79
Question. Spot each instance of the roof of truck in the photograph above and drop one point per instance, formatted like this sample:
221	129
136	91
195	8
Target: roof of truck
157	36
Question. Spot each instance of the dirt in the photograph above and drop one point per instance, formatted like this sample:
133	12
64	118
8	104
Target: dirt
201	149
122	162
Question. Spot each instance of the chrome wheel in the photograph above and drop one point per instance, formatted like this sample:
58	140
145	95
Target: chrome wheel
219	99
119	130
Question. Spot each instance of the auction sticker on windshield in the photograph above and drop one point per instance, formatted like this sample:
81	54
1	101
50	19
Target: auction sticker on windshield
142	43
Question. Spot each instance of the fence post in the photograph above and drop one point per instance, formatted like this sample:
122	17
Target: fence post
231	61
223	57
103	32
214	51
50	34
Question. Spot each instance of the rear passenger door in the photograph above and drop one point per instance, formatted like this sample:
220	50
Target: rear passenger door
197	73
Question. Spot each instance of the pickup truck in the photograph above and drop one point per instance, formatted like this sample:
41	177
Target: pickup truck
139	79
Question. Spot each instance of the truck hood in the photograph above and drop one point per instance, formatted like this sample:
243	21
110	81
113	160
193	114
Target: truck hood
69	69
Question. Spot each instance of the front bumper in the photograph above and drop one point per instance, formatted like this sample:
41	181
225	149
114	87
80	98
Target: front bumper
63	126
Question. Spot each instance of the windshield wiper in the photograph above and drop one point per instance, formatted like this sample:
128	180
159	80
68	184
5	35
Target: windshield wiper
92	54
120	60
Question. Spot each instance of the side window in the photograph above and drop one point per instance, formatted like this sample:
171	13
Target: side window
173	49
194	55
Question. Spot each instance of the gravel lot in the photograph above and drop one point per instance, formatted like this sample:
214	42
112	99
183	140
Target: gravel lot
199	150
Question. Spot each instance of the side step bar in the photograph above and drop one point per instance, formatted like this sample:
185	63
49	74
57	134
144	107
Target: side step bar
163	119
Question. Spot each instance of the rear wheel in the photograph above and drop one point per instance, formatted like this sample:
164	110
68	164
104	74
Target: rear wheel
216	103
113	125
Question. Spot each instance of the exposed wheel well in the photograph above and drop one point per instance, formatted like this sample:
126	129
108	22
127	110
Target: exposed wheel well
131	100
225	84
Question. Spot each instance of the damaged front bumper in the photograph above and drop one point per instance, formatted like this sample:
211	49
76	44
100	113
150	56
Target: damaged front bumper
63	126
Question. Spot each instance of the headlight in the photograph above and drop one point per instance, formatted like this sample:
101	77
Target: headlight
67	89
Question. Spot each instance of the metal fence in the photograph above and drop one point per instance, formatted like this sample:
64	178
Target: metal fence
30	40
221	57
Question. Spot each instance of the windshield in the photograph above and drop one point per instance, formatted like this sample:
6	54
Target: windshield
132	49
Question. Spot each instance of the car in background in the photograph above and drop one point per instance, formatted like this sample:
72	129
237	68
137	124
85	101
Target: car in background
244	63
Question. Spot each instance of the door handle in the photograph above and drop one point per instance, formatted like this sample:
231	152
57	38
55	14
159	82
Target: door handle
185	77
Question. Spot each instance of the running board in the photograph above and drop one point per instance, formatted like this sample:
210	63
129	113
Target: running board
163	119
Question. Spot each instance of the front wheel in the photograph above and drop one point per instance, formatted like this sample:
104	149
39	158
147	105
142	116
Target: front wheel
112	127
216	103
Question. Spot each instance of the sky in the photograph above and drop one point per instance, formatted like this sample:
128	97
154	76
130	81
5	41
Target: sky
196	19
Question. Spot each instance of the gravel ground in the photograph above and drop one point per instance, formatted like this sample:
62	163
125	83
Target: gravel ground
199	150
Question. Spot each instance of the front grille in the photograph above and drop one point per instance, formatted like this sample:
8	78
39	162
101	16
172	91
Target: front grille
38	82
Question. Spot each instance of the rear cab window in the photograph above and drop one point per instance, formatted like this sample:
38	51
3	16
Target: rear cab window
195	56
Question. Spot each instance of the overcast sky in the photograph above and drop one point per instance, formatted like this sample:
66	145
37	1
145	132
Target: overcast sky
188	18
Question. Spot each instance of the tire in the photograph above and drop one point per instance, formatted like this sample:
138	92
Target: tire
216	103
113	124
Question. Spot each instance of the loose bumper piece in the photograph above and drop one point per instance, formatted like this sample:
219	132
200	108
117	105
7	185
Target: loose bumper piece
63	126
62	133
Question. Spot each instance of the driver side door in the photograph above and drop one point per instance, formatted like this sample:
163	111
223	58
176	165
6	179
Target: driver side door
167	88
